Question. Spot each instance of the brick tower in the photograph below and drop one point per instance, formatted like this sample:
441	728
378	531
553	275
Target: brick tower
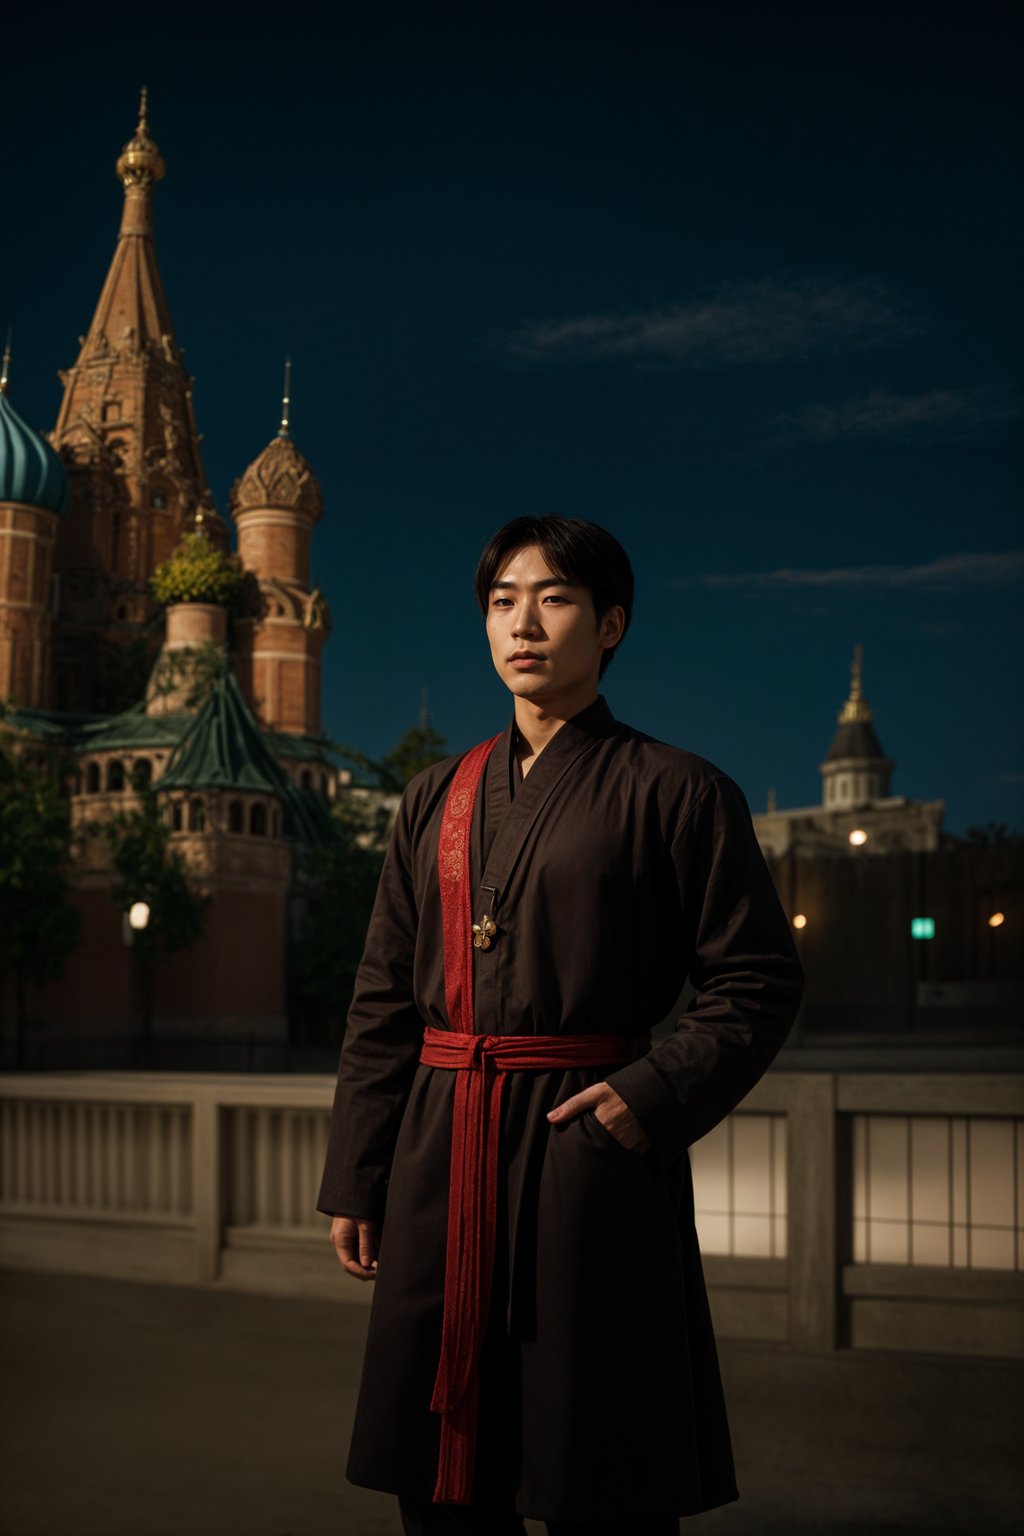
127	433
276	504
33	495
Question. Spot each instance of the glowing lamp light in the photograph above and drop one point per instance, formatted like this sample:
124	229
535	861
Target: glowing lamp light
138	916
997	919
800	921
922	927
858	837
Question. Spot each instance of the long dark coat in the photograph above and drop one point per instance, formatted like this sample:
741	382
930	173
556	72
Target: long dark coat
622	866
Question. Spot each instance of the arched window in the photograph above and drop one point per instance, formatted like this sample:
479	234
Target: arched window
306	779
142	773
115	776
277	823
176	816
92	779
323	785
258	821
196	816
235	816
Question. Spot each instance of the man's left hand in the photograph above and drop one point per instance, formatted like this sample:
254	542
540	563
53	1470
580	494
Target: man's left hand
612	1111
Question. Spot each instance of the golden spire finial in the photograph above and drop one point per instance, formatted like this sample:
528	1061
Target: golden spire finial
140	164
286	400
5	366
856	707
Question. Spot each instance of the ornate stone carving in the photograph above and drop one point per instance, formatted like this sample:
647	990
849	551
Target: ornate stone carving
280	477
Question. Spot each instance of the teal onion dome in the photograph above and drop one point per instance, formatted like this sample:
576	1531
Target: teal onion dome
30	471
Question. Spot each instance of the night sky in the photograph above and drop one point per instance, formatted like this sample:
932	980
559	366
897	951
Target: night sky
740	282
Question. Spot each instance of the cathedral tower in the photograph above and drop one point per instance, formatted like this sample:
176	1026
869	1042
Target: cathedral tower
276	504
855	770
127	433
33	495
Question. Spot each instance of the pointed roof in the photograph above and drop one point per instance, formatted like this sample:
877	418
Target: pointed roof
225	749
132	305
279	477
856	736
129	382
220	748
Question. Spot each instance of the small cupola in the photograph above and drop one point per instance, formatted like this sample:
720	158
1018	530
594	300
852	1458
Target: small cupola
856	770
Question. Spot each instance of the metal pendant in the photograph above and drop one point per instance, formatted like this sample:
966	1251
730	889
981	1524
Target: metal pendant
483	933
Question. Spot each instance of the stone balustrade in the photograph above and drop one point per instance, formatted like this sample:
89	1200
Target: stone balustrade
835	1209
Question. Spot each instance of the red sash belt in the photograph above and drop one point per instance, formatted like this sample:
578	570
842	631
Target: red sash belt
480	1062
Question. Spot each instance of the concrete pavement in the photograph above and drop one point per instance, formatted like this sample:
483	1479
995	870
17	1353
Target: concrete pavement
142	1410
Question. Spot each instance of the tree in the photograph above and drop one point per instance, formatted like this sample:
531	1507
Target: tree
197	572
148	870
418	749
994	834
39	927
341	881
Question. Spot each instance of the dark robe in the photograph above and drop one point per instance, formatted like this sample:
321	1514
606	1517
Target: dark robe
621	867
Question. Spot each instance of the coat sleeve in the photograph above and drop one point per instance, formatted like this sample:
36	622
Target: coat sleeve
745	969
381	1047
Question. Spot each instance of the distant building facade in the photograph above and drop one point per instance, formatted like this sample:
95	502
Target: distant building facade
244	778
857	813
902	927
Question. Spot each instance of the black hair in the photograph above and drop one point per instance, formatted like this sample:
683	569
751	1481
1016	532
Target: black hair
581	553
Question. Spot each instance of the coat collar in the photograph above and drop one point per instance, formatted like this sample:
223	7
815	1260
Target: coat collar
508	820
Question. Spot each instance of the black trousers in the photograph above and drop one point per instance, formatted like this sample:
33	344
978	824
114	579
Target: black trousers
465	1520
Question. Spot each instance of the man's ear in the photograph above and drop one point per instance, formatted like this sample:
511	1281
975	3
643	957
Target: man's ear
612	627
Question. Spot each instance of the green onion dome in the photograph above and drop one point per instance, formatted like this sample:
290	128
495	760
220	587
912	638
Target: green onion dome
30	471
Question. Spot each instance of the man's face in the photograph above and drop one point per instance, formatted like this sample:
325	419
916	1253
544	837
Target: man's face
546	641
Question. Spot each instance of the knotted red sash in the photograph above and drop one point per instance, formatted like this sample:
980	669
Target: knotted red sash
480	1063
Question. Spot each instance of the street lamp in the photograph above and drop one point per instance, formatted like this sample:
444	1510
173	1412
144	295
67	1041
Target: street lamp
138	916
858	837
136	921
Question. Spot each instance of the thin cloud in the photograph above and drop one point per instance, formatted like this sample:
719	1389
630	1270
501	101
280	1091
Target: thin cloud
965	570
959	414
762	322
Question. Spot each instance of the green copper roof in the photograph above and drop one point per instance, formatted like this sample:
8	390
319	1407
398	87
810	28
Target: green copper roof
323	751
30	471
221	747
225	748
102	733
131	730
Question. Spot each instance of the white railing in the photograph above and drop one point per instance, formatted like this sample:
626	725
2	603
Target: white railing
878	1210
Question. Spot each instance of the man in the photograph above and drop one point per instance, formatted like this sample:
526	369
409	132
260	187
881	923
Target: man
507	1158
